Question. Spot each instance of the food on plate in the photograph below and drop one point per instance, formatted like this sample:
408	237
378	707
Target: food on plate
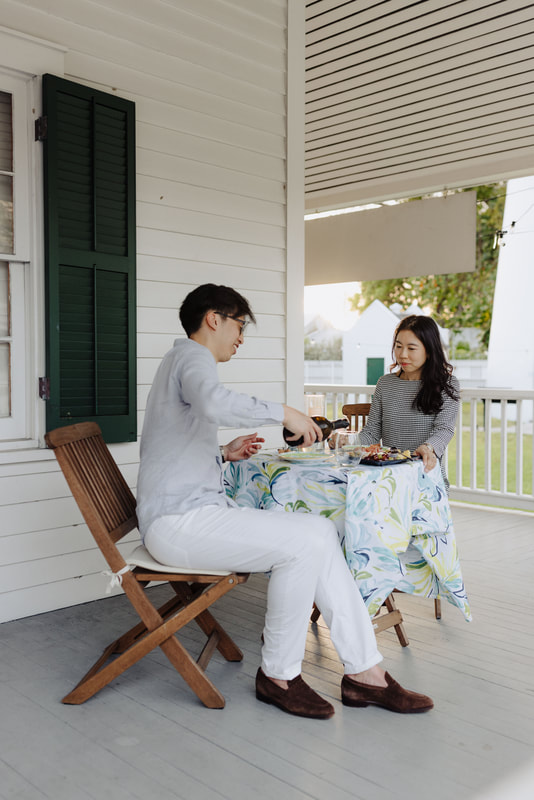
375	453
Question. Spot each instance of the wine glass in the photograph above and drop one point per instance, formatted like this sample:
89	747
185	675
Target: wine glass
347	448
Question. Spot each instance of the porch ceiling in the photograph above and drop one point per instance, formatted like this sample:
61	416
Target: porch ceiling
407	97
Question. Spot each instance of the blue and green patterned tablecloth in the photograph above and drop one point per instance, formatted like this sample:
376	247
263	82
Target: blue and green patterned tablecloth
394	522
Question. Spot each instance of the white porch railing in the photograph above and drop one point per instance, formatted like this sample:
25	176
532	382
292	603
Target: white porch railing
491	457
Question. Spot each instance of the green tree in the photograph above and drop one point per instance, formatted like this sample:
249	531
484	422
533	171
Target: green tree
455	300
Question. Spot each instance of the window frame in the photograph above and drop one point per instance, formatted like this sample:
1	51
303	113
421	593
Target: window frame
23	59
17	430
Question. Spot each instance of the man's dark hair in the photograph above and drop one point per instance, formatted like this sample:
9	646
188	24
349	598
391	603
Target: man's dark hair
210	297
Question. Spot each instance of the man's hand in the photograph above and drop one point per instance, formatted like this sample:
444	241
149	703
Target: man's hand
242	447
301	425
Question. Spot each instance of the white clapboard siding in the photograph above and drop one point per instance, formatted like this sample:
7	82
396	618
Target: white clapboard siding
163	217
168	295
207	150
227	16
45	486
46	543
210	201
52	568
232	113
94	29
30	600
163	164
153	320
197	248
407	98
167	269
208	78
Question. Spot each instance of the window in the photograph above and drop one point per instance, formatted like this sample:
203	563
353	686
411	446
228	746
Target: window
89	164
14	257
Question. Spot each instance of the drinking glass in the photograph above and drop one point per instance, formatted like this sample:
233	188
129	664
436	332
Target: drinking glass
347	448
315	405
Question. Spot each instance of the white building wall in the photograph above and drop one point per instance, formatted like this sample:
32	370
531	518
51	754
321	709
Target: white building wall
209	81
370	337
511	346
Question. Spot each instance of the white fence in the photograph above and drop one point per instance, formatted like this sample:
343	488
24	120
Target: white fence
323	372
491	458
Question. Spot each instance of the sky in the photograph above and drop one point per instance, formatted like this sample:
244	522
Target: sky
330	300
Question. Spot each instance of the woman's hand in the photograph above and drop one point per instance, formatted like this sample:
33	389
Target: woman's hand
426	452
242	447
301	425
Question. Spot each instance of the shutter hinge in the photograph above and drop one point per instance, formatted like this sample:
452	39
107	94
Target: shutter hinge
41	129
44	388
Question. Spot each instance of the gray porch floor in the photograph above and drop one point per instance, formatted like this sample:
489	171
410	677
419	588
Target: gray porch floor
148	737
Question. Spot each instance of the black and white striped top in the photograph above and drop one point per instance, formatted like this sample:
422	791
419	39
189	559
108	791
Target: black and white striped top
394	421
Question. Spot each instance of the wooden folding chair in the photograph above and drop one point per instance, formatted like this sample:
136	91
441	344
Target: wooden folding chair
356	412
390	618
108	507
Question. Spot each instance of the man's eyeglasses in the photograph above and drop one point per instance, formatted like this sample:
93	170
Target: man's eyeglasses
242	322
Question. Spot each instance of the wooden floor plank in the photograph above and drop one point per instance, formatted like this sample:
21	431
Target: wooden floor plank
148	736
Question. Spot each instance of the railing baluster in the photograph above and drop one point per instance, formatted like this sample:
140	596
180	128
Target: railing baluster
473	444
504	446
487	445
519	447
510	490
459	446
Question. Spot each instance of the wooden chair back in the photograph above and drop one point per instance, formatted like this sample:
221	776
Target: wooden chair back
356	413
97	484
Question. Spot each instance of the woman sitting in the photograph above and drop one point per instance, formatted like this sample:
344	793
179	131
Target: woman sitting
415	407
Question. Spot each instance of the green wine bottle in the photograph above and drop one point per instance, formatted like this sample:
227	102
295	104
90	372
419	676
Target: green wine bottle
324	424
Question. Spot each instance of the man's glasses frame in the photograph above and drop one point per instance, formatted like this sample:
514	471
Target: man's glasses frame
242	322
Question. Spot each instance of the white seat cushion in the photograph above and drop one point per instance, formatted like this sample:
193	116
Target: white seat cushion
142	558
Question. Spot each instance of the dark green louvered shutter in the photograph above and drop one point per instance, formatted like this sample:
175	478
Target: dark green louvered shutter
89	160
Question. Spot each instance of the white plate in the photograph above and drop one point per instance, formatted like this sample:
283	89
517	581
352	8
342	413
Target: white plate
296	457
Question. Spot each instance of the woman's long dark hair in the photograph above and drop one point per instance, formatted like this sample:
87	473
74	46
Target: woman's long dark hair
436	372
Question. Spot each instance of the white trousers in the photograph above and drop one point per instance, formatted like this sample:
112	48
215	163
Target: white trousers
303	555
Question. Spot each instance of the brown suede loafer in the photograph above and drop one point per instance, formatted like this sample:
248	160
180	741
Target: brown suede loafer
298	698
393	696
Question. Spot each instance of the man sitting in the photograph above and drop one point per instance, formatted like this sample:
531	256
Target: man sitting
186	519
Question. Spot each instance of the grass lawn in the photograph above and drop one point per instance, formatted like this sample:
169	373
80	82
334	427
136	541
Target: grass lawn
496	465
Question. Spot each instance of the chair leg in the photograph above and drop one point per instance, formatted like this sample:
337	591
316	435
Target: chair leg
437	605
127	639
162	634
208	650
315	614
209	625
99	676
399	626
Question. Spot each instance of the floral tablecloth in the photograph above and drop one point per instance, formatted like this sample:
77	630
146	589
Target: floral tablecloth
394	522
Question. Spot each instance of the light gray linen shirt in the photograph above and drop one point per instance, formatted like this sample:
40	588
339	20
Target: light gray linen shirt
394	421
180	465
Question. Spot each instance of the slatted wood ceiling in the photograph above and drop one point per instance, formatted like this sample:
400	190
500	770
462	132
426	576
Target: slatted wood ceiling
404	97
